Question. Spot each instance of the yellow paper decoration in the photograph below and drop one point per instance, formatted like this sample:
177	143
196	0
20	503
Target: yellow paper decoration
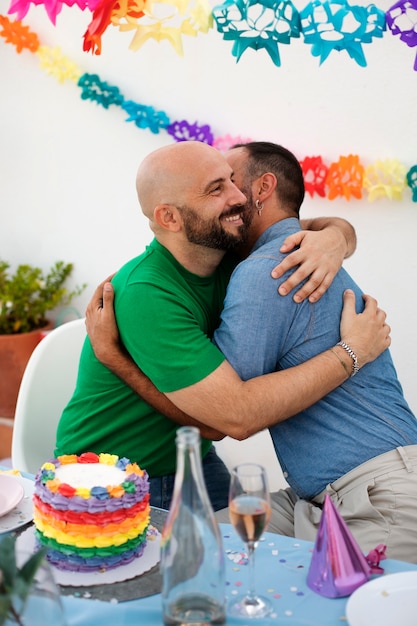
385	179
58	65
164	21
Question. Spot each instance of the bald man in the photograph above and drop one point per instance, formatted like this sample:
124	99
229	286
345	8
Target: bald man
167	303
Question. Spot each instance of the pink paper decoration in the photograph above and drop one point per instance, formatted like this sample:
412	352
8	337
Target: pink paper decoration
338	566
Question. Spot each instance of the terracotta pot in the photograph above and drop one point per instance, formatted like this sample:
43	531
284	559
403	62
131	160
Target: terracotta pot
15	351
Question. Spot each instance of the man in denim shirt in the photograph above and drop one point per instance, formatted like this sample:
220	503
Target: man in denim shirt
359	443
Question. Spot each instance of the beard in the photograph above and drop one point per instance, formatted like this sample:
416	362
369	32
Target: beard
209	232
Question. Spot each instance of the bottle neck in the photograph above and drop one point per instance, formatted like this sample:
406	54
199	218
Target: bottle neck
189	479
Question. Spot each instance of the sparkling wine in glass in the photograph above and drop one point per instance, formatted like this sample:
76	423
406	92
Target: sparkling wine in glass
249	510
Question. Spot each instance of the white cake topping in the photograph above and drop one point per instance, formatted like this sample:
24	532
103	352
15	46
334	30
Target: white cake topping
90	475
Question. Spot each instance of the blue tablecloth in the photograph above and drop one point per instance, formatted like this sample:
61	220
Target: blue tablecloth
281	570
282	565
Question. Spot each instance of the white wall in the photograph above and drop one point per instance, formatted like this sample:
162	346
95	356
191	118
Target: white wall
68	166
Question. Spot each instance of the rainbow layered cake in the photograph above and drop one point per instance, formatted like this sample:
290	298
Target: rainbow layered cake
91	511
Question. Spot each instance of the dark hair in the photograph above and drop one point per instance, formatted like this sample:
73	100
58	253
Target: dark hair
265	156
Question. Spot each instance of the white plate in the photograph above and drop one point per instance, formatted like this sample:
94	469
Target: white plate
385	601
11	493
23	512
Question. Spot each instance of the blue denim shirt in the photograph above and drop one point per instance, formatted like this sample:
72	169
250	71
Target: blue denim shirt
262	332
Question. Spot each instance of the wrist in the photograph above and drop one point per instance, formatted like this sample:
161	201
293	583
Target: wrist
354	362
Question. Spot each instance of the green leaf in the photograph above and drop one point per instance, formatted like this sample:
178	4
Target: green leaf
27	573
5	604
8	561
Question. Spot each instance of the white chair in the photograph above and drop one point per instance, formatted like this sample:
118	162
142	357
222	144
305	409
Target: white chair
256	449
47	384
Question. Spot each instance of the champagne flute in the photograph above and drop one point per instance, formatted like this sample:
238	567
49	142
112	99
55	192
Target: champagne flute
249	511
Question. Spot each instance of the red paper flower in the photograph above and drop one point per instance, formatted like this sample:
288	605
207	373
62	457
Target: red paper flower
314	172
102	15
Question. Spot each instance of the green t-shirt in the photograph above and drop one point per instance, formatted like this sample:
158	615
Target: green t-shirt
166	317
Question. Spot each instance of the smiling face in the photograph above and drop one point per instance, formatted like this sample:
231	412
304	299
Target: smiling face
214	210
192	181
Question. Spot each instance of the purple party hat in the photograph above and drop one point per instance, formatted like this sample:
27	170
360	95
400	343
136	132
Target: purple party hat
338	566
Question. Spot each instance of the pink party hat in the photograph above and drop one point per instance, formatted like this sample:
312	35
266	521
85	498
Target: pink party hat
338	566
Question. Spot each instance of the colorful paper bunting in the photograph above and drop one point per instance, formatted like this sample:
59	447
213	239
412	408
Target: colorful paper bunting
254	24
339	26
344	178
258	24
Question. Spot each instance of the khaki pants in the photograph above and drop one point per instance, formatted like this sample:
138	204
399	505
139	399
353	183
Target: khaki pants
377	500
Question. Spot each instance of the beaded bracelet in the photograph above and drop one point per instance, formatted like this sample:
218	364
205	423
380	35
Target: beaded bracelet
355	364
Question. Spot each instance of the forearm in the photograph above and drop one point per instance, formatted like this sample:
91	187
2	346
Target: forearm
342	226
243	408
246	407
123	366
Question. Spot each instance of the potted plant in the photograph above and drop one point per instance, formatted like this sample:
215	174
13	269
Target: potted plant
26	297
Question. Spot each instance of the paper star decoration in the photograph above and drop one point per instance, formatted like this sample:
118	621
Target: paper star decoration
254	24
339	26
402	20
106	12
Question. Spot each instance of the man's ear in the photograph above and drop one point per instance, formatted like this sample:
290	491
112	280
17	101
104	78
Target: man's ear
266	186
167	217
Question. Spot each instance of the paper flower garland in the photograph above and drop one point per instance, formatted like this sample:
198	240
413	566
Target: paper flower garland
326	24
345	178
339	26
257	25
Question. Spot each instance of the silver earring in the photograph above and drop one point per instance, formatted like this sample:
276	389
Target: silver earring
259	205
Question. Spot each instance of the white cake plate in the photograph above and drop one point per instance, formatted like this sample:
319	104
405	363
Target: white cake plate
151	555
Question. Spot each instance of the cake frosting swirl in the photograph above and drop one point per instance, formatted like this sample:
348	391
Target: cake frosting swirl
91	511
